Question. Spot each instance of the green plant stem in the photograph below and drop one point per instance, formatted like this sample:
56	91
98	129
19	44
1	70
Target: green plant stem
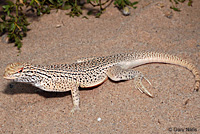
16	18
75	3
101	8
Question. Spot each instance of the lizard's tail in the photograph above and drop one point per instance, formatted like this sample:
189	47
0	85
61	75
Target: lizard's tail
155	57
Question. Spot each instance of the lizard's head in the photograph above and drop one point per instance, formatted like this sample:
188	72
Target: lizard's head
13	70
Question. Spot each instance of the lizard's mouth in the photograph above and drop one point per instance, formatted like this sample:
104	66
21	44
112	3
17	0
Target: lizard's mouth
8	76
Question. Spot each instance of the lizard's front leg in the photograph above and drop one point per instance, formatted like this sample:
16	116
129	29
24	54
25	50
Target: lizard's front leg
117	73
62	86
76	99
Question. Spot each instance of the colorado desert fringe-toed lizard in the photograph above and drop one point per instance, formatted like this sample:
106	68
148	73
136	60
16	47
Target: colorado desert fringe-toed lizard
90	72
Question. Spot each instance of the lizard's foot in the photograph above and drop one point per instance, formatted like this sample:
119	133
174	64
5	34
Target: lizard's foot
140	86
117	73
75	108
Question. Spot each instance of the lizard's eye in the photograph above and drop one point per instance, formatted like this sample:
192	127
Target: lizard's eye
20	70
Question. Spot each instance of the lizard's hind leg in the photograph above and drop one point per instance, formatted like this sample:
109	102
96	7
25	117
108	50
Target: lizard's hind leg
116	73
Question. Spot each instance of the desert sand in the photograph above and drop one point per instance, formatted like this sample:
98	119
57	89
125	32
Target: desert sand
111	107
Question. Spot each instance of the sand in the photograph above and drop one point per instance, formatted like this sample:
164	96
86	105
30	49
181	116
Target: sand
110	107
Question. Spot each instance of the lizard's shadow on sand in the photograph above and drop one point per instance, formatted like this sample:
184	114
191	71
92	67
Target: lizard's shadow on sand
25	88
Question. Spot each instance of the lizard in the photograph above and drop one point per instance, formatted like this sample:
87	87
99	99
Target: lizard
91	72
